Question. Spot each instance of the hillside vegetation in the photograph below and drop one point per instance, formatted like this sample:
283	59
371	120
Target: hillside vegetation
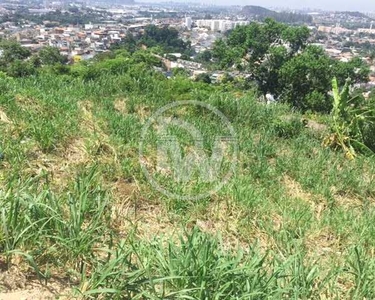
79	216
261	13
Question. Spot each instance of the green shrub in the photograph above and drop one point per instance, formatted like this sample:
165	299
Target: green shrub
288	128
204	77
319	102
369	136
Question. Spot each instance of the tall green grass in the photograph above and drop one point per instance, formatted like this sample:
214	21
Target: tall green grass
312	239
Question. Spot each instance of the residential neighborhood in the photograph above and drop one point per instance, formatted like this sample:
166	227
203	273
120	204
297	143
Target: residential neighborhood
63	25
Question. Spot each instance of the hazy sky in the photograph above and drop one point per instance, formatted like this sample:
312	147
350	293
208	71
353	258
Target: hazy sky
352	5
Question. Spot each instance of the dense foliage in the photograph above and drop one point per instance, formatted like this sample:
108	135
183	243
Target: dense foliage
165	38
281	61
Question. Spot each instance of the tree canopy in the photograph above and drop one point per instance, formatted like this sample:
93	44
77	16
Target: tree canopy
51	56
281	62
165	38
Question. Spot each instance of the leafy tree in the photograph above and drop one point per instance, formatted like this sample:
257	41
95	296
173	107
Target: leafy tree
356	69
75	16
227	56
165	38
317	101
129	43
147	58
51	56
35	61
204	77
20	68
296	37
227	78
204	56
220	52
12	51
12	59
260	37
180	72
305	73
267	72
264	48
281	63
106	55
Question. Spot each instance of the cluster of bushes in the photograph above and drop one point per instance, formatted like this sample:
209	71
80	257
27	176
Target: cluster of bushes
17	61
165	39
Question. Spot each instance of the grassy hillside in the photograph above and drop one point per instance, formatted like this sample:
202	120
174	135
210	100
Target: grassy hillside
78	215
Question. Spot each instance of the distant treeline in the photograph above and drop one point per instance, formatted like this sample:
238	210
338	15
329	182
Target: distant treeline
261	13
73	16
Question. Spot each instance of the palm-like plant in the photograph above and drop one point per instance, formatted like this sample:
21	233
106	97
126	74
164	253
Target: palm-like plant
349	118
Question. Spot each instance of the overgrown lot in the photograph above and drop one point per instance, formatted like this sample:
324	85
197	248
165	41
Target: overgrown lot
296	221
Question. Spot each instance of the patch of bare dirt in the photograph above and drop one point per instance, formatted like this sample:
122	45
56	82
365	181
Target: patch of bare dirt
295	190
318	204
87	119
346	200
16	285
25	101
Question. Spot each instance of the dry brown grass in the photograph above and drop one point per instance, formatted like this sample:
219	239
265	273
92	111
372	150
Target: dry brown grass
61	165
4	118
143	111
294	190
317	202
90	145
323	243
226	218
315	126
132	212
120	106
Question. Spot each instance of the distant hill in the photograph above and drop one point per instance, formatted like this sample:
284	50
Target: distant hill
260	13
257	11
357	14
